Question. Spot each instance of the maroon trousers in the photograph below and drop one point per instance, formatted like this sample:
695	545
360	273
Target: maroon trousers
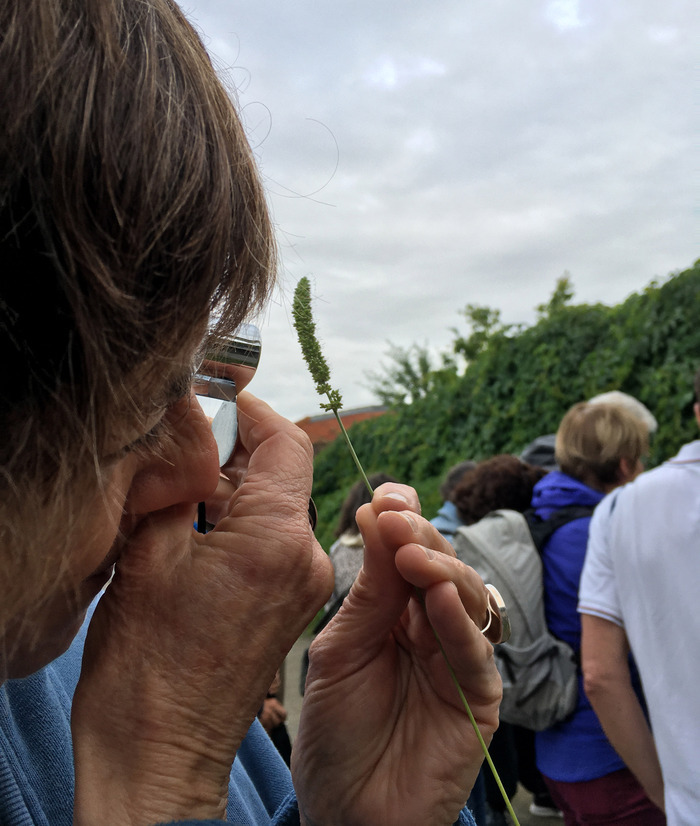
614	800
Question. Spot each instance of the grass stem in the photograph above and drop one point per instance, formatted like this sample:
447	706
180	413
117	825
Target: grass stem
318	367
358	464
476	728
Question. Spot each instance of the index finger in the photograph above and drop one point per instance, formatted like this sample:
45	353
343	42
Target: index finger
379	553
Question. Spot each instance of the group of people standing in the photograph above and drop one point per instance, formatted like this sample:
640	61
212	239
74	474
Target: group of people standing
610	590
618	589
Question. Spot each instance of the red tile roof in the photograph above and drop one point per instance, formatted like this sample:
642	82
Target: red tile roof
324	428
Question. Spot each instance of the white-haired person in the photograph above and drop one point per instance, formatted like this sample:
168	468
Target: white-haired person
130	211
638	592
598	448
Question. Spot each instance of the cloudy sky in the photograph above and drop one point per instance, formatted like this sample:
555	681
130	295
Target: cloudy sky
420	156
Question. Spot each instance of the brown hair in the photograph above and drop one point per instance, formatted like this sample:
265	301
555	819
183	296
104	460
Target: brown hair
696	385
130	208
453	477
593	438
502	481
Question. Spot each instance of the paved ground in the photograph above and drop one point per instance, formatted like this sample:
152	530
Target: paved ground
292	702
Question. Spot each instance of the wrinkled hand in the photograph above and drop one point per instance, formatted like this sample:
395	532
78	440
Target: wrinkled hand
384	737
186	641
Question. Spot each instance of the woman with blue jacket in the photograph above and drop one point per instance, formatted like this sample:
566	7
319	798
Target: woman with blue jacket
598	447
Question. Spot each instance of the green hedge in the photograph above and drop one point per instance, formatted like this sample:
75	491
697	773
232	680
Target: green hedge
521	385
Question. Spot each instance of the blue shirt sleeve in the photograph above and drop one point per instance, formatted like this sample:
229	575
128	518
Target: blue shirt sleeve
466	818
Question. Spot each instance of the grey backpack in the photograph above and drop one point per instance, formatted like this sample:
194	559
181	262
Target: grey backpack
539	671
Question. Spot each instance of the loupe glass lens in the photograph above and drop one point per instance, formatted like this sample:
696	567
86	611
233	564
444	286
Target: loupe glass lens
222	375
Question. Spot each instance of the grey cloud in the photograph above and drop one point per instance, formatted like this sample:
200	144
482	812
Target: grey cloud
422	156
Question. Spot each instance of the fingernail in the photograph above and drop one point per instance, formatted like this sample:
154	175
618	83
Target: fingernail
408	516
398	496
429	552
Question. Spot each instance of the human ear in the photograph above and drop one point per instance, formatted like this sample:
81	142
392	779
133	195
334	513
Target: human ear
627	471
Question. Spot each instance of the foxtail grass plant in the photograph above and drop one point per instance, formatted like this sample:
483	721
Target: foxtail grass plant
320	373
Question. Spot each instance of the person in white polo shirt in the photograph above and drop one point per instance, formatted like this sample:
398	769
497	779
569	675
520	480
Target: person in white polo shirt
639	590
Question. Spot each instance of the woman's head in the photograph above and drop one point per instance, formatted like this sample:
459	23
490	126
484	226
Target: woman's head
601	445
503	481
453	477
358	495
130	209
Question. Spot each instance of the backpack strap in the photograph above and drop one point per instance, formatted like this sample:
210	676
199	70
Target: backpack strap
542	529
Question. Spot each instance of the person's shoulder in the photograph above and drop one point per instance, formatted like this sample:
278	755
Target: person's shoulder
606	506
663	483
559	490
665	474
66	668
689	454
447	519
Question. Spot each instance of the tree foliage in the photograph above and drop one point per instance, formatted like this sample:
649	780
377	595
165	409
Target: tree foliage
562	295
485	322
519	382
407	377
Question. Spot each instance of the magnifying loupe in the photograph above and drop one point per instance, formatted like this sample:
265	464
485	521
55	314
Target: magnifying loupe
221	376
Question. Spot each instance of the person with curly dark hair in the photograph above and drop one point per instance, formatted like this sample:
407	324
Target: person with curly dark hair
447	520
503	481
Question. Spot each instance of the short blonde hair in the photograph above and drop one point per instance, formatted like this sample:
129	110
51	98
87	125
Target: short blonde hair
593	438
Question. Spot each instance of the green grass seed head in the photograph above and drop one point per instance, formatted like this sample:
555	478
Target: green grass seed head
310	347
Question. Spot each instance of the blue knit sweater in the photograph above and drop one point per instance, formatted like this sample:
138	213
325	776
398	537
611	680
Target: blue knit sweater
36	759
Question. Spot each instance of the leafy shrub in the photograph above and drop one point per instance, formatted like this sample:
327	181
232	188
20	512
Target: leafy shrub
520	383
